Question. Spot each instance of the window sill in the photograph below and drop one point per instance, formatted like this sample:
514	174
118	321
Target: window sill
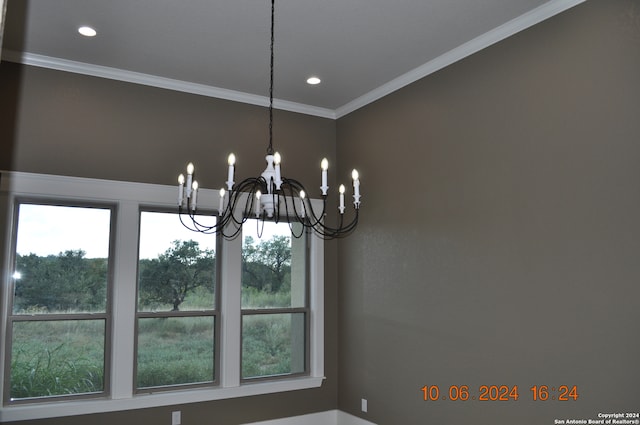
80	407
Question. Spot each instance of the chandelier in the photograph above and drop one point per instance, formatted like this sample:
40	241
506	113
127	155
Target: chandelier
269	197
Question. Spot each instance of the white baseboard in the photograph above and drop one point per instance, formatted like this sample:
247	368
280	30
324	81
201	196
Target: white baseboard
329	417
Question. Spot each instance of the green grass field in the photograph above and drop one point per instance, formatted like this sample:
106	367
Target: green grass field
64	357
57	358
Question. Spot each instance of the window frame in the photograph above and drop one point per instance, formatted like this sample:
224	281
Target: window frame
215	313
129	197
12	318
305	310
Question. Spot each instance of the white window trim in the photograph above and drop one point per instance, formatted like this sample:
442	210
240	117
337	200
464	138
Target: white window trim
129	197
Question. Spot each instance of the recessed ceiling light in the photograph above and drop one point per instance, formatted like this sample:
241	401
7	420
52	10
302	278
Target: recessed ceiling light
87	31
313	80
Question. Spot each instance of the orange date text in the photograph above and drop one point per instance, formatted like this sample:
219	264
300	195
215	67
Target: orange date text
463	393
499	393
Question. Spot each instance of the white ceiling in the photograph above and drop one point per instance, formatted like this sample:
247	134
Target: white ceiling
361	49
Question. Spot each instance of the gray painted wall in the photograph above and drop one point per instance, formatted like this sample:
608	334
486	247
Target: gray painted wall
500	234
60	123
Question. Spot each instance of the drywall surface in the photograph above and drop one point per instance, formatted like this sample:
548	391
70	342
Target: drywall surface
499	240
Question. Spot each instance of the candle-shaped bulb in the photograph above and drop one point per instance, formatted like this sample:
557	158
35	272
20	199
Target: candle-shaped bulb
194	195
324	165
302	195
190	169
276	158
258	195
356	188
341	190
180	189
221	207
231	160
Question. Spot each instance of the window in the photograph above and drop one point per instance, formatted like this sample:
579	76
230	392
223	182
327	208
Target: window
57	330
274	300
176	314
247	320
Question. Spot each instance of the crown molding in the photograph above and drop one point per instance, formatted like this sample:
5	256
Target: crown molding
483	41
58	64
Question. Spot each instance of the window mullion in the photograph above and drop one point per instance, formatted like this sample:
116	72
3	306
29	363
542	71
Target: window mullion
316	293
230	297
124	300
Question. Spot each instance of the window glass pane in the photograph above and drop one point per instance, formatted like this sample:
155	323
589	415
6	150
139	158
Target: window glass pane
54	358
273	266
61	259
273	344
175	350
177	267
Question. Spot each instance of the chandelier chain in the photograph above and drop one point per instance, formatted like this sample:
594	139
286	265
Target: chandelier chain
270	148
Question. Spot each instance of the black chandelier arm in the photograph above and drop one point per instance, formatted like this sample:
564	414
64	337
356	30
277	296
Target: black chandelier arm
226	216
328	232
242	205
291	188
298	215
247	187
294	188
195	225
243	191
